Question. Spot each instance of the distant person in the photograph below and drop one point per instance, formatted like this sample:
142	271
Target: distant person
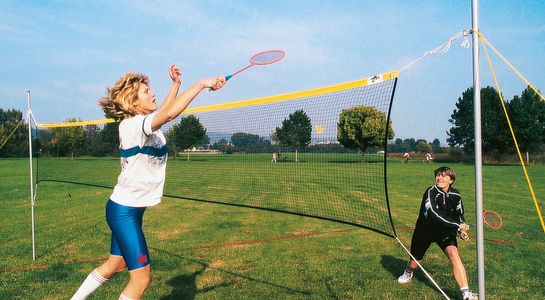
143	154
406	157
428	158
440	219
274	157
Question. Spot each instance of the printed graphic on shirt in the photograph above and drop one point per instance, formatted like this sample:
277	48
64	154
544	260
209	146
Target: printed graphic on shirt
159	158
124	162
153	148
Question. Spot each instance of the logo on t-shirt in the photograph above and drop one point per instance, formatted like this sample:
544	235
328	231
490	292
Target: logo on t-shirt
155	141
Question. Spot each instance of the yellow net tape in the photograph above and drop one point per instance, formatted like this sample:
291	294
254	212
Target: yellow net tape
73	124
297	95
509	122
251	102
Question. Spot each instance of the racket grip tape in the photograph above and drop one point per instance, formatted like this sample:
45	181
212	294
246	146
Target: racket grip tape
464	236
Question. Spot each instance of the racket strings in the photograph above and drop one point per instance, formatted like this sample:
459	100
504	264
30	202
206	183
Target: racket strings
267	57
492	219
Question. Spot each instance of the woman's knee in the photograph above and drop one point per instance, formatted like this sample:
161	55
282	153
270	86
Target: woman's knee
116	264
141	277
120	267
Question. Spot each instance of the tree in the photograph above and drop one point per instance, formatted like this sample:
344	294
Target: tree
361	127
242	140
527	114
397	146
248	142
170	137
110	138
223	146
295	132
436	146
188	133
45	138
495	134
93	142
205	141
409	145
422	146
17	145
70	139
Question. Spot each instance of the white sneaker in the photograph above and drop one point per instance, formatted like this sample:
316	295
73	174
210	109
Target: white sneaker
406	277
469	295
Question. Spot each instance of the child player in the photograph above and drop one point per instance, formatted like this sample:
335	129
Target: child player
441	217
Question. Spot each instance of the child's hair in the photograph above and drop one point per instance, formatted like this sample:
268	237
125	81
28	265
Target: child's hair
445	171
120	100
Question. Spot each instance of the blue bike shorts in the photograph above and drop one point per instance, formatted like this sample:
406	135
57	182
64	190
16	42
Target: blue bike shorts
127	236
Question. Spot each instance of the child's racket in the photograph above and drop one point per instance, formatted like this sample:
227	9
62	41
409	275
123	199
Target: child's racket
492	219
260	59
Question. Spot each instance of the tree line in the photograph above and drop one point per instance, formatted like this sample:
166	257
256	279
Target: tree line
360	129
527	115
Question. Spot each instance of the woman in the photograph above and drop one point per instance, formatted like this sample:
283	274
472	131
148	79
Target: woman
143	154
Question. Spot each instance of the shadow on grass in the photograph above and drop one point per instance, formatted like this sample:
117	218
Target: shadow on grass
396	266
330	289
184	286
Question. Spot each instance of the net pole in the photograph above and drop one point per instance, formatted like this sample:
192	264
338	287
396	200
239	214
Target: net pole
478	149
31	177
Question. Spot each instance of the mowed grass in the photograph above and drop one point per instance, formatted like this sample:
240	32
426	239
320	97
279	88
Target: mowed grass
203	250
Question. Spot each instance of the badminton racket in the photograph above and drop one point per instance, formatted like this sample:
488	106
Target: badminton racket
490	218
261	59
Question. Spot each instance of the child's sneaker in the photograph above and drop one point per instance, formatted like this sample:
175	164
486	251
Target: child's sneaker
469	295
406	277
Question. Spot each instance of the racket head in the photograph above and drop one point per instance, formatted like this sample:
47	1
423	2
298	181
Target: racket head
492	219
267	57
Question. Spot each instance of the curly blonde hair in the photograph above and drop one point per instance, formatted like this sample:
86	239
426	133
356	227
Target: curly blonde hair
120	100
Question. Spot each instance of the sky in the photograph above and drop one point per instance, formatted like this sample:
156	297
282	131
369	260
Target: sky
67	52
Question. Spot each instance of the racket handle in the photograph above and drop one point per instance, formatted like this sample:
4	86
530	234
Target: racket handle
228	77
463	235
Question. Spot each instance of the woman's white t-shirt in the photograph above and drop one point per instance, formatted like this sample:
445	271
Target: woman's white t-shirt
143	163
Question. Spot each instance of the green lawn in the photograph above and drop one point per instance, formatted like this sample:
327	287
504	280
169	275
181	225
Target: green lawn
202	250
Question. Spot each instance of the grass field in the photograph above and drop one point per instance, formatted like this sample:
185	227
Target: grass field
203	250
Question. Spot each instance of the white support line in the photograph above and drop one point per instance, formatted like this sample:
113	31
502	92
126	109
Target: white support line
441	49
424	270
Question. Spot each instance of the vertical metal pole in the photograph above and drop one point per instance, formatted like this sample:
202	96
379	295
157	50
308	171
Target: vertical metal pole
478	150
29	123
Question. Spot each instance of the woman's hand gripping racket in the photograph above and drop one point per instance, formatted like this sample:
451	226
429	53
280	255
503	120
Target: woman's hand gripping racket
261	59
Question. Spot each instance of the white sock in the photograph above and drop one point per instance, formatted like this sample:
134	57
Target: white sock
91	283
123	297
